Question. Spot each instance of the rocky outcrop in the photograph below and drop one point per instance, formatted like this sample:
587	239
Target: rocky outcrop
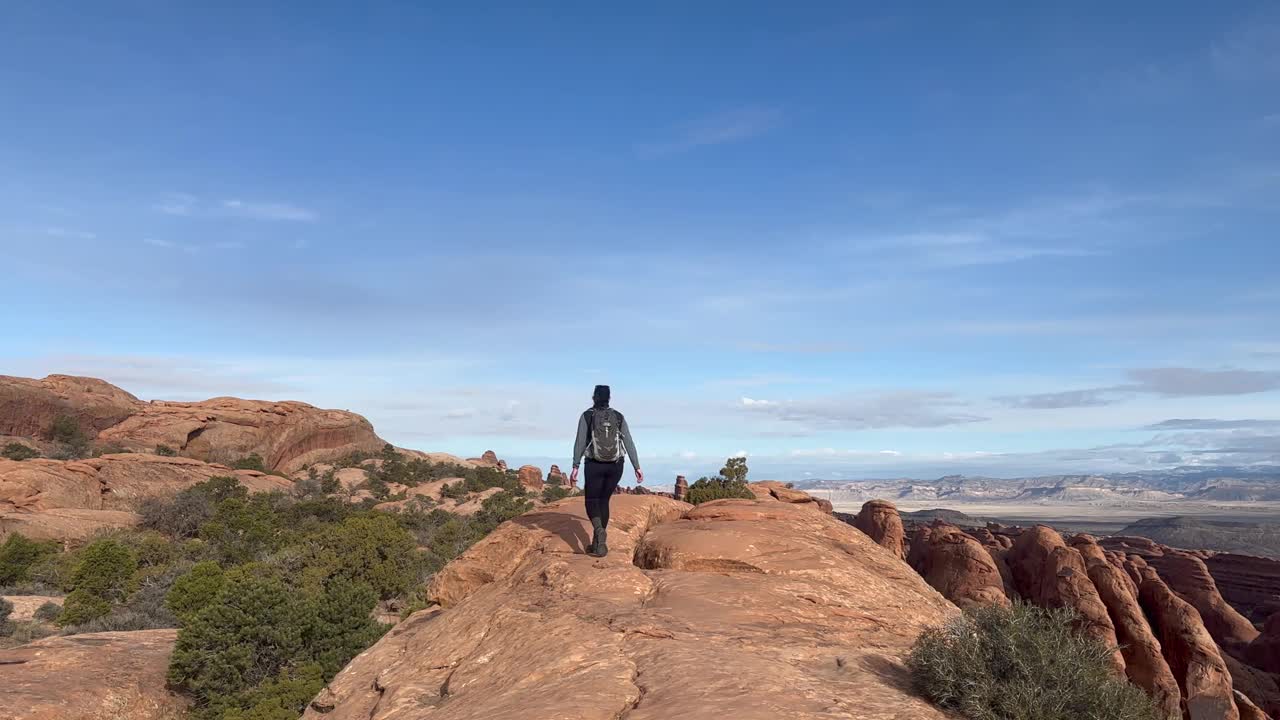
743	609
783	492
1048	573
556	477
1264	651
1188	576
1144	662
957	566
681	490
72	500
1193	657
29	407
1248	711
95	676
530	477
286	435
1250	584
488	458
879	519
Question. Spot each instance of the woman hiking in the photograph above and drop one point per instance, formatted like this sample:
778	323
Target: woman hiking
603	437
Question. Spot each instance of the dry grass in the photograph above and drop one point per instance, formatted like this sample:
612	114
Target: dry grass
132	704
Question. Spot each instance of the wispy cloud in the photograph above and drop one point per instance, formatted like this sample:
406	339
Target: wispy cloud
864	412
176	204
1210	424
191	248
60	232
1169	382
269	211
719	129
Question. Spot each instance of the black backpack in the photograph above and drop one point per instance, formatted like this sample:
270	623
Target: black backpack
606	434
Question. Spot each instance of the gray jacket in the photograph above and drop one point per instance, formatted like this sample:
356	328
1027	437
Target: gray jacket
581	446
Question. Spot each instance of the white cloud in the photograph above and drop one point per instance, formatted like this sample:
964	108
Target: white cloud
728	127
751	402
72	234
180	204
739	454
269	211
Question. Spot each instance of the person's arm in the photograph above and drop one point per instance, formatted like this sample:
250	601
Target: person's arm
580	442
631	447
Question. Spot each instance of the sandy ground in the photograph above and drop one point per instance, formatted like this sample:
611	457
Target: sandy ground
1085	517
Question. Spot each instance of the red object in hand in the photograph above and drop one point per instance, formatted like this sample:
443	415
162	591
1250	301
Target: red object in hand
639	477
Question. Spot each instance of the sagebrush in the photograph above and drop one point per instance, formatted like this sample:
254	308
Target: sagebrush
1023	663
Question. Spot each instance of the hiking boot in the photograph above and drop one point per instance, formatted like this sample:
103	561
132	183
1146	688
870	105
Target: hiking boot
594	547
602	546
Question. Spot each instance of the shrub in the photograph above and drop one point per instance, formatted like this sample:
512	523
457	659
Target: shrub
371	549
182	515
1022	663
551	493
717	488
18	451
454	491
192	592
18	556
6	608
241	531
72	441
48	612
250	462
735	470
166	451
100	580
111	449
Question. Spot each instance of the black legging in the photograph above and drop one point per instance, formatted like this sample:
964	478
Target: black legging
600	482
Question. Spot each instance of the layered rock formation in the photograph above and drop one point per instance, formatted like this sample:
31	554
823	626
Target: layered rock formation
556	477
1250	584
681	490
72	500
744	609
286	435
95	676
1193	657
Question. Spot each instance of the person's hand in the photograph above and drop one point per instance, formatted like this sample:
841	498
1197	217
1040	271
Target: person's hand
573	477
639	477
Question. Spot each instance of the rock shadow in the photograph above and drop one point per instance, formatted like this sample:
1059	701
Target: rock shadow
566	526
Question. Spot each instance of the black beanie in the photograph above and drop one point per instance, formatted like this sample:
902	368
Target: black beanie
601	395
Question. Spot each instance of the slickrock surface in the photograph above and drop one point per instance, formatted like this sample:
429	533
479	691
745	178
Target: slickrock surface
743	609
1193	657
287	435
957	566
96	676
72	500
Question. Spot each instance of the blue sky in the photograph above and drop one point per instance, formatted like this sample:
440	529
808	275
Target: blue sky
846	241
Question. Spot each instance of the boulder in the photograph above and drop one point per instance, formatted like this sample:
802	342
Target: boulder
94	676
957	566
746	609
783	492
879	519
1048	573
530	477
1198	666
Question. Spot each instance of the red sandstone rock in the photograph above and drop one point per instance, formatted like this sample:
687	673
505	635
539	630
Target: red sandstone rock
783	492
1187	575
1191	653
957	566
1144	663
879	519
776	610
1249	584
488	459
93	676
1264	651
1048	573
72	500
530	477
1248	711
556	477
29	407
681	488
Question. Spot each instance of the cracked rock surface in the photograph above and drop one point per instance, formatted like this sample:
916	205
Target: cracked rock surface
749	609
